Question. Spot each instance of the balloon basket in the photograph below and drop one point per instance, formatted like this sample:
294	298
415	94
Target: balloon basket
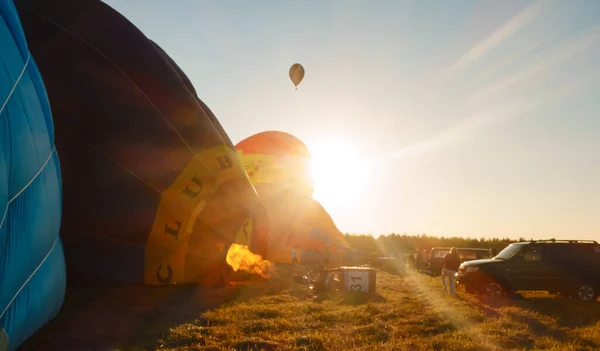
358	279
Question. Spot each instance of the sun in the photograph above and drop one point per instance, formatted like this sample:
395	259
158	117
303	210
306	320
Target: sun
340	172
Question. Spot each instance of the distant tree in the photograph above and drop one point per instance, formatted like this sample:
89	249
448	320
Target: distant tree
397	244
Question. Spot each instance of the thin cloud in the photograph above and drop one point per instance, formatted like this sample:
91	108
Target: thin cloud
466	126
507	111
508	61
563	53
507	30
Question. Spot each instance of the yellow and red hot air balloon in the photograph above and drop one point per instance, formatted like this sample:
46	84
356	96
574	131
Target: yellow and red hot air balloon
278	165
276	161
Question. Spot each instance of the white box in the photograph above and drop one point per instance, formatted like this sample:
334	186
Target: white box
359	279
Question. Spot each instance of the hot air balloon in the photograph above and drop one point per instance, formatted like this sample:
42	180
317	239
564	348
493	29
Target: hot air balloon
313	230
32	266
153	189
278	164
296	74
278	159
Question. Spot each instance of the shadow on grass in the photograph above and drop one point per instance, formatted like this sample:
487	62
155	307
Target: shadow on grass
256	345
511	299
105	316
354	299
486	309
567	313
540	329
130	317
349	298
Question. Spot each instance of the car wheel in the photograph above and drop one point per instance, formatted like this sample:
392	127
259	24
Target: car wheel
586	292
493	289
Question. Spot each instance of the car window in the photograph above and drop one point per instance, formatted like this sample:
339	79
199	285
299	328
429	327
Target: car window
533	255
584	253
559	253
508	252
441	253
483	254
467	255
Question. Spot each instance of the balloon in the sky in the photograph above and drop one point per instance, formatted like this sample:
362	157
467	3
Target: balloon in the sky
296	74
32	264
153	189
278	164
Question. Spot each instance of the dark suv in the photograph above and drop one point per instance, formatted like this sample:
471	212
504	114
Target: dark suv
568	267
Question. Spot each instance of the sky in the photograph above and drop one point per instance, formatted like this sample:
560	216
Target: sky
451	118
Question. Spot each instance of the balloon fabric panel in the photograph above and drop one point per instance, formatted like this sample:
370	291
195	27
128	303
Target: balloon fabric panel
278	165
153	189
32	267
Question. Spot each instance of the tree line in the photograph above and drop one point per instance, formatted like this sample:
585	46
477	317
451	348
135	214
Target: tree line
397	244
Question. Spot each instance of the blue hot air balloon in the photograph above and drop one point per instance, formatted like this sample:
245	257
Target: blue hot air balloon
32	267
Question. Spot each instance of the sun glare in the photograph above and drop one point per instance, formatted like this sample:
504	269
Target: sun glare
340	172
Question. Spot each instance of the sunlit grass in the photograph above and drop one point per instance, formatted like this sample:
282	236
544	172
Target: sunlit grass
409	312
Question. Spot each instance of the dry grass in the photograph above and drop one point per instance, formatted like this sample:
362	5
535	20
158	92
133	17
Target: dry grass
409	312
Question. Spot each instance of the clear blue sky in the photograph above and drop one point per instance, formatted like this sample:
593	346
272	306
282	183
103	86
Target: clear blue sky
474	118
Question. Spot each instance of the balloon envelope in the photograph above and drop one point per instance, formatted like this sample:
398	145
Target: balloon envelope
278	164
32	264
153	189
304	223
296	73
277	159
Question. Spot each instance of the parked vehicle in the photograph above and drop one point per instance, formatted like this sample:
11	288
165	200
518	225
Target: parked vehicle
437	254
567	267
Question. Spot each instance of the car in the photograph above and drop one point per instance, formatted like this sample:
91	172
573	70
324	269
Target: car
437	254
567	267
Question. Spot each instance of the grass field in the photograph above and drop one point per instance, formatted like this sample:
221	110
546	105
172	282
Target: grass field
409	312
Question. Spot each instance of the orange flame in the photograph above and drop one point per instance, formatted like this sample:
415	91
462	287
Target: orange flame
242	259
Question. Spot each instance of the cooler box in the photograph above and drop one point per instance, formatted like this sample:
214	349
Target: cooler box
358	279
